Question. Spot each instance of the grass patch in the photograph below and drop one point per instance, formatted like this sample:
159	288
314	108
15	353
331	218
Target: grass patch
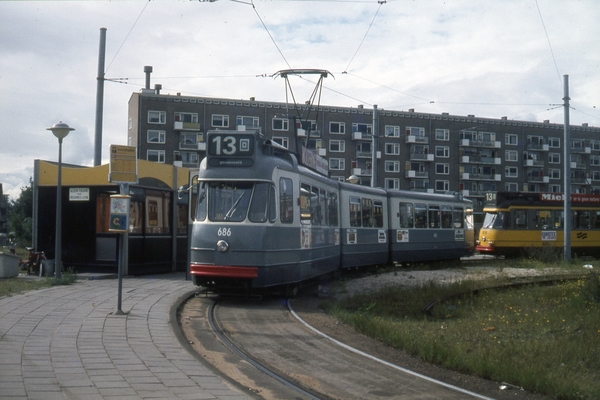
543	338
12	286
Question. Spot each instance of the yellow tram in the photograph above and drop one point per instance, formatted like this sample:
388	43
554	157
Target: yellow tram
517	221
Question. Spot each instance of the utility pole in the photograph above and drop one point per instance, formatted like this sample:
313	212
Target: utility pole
567	173
99	99
374	133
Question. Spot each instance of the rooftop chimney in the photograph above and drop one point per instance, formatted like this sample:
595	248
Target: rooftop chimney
148	71
157	88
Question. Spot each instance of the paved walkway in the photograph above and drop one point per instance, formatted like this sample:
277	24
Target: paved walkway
65	343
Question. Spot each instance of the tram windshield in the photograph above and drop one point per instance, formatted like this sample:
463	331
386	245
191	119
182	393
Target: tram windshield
236	201
495	220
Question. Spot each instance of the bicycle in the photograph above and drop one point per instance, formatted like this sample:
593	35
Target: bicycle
33	264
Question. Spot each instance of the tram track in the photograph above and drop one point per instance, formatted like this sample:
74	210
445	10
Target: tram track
275	354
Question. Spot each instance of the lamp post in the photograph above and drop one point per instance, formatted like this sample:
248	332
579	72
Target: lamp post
60	130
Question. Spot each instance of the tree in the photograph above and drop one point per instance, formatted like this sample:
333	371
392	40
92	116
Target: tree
20	214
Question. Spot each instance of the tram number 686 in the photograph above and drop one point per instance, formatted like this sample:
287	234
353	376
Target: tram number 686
224	232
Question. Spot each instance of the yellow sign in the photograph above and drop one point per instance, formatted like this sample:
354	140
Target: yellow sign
123	164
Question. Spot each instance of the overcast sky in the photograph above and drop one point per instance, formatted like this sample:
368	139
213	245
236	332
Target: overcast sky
491	58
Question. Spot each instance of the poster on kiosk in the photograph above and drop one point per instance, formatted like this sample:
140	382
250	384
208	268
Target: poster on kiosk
119	213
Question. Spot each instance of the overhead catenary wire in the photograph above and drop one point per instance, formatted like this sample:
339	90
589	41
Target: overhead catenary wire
365	36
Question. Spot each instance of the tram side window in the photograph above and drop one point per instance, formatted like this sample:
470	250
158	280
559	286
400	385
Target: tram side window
272	204
581	219
332	208
434	216
420	215
323	207
260	202
543	219
305	212
315	207
558	219
354	211
367	213
596	219
446	216
458	217
521	219
378	213
406	215
286	201
201	209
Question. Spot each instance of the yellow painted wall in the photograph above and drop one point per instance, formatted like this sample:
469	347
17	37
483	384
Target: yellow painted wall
98	176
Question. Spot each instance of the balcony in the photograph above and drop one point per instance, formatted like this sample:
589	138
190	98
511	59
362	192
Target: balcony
362	136
494	144
475	159
468	176
364	154
186	126
417	139
361	172
538	179
538	147
578	165
417	174
581	149
421	157
188	145
533	163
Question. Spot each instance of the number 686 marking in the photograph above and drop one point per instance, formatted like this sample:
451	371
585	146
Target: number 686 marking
224	232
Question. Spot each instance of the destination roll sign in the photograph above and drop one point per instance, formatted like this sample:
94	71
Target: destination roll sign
230	149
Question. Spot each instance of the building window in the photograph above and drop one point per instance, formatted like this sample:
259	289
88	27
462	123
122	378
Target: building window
442	151
364	128
186	117
554	188
392	166
554	142
554	173
281	124
554	158
595	160
248	122
156	156
442	186
392	183
511	172
337	164
220	121
442	168
415	131
392	148
337	146
442	134
337	128
595	144
511	139
283	141
511	155
511	187
392	131
595	175
157	117
130	123
155	136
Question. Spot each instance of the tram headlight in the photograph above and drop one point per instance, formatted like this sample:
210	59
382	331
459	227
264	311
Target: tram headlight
483	239
222	246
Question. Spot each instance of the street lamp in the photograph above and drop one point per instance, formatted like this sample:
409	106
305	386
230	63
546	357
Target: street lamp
353	179
60	130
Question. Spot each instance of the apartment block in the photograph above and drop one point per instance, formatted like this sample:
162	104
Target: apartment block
414	150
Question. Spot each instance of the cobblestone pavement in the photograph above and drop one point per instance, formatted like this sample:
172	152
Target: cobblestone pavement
65	342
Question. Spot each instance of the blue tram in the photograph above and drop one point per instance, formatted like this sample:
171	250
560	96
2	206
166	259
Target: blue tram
265	220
